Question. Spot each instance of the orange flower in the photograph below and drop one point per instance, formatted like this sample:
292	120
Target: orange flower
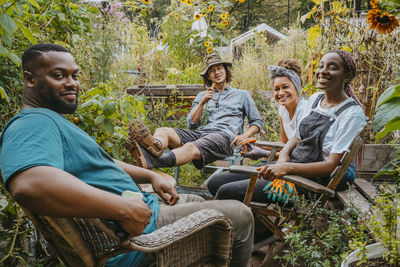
211	8
209	50
383	22
197	16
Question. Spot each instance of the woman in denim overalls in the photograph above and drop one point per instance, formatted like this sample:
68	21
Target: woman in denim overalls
325	134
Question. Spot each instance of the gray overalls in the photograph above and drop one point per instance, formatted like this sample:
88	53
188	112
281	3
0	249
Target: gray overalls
313	130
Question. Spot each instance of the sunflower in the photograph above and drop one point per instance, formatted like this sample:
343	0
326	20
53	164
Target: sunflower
176	16
211	8
223	16
197	16
209	50
188	2
241	1
383	22
146	2
206	43
227	13
225	22
203	14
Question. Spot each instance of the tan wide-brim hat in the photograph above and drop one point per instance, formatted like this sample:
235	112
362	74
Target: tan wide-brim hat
211	60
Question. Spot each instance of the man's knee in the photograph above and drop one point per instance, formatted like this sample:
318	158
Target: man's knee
193	150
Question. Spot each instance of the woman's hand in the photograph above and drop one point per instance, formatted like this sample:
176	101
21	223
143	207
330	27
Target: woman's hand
273	171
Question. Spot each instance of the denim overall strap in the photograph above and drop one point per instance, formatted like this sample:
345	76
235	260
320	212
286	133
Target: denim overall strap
313	130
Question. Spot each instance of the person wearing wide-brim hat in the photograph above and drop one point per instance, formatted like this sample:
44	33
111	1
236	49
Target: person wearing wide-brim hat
215	124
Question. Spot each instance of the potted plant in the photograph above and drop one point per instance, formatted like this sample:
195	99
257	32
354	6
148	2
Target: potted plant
384	222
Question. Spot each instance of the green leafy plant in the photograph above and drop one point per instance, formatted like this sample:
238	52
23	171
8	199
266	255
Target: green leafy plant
320	237
105	115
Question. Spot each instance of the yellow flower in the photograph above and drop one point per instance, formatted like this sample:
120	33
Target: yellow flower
176	16
146	2
383	22
211	8
206	43
188	2
241	1
227	13
203	14
197	16
225	22
223	16
209	50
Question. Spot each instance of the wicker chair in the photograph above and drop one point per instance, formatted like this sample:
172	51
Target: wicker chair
203	238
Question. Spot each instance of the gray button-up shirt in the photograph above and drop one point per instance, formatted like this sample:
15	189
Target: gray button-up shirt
228	115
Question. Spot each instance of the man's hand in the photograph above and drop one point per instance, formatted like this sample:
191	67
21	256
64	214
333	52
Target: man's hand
272	171
208	95
138	217
238	139
163	183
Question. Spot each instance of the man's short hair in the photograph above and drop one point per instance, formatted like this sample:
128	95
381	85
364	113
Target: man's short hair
36	51
208	82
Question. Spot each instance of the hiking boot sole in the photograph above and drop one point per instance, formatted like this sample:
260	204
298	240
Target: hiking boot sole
137	154
140	133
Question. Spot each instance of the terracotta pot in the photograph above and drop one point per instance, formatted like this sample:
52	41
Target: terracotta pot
372	251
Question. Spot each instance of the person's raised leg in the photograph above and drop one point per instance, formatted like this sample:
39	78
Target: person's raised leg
240	215
168	137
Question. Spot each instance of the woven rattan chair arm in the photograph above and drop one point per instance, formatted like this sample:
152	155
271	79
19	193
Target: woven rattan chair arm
180	229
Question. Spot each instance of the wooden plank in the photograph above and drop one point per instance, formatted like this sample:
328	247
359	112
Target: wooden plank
352	198
376	156
304	182
366	188
270	144
166	90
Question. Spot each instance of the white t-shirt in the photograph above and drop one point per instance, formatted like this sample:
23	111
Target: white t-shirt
290	125
343	130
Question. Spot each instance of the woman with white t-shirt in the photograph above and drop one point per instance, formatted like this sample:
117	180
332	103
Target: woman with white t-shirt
333	119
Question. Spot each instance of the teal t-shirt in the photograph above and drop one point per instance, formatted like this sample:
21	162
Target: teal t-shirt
41	137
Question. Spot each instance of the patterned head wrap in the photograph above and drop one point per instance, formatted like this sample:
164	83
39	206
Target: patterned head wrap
278	71
350	68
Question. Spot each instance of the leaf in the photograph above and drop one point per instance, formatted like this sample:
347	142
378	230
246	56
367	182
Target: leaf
390	168
61	16
109	109
99	119
3	50
7	23
108	127
33	3
3	204
3	94
389	93
27	33
385	113
14	58
392	125
313	35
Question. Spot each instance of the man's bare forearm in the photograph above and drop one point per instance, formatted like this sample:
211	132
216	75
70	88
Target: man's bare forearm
195	115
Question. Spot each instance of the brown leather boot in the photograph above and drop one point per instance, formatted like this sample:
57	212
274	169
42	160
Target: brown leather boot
140	133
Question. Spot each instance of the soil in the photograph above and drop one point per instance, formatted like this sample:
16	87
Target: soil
378	262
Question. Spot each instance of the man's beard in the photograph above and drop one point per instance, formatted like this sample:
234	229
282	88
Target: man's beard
55	103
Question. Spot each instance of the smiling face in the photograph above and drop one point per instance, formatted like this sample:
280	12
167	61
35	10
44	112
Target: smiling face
53	83
330	73
217	74
285	92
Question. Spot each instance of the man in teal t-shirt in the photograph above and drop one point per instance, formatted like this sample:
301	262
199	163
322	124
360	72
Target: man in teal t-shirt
53	168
